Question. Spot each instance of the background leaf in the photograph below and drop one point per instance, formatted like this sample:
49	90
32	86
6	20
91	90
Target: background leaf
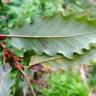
5	81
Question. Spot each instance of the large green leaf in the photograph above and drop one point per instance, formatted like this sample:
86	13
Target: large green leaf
76	34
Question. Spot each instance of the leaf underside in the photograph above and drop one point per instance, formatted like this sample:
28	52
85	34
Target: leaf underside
78	34
60	62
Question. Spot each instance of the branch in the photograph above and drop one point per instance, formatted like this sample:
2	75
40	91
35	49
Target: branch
31	88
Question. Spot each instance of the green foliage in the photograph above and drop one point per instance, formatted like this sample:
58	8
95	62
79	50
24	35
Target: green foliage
9	15
92	75
65	84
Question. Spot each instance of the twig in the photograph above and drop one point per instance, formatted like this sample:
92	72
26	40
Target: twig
31	88
44	61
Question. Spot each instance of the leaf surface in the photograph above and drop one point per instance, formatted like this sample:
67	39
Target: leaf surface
75	35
